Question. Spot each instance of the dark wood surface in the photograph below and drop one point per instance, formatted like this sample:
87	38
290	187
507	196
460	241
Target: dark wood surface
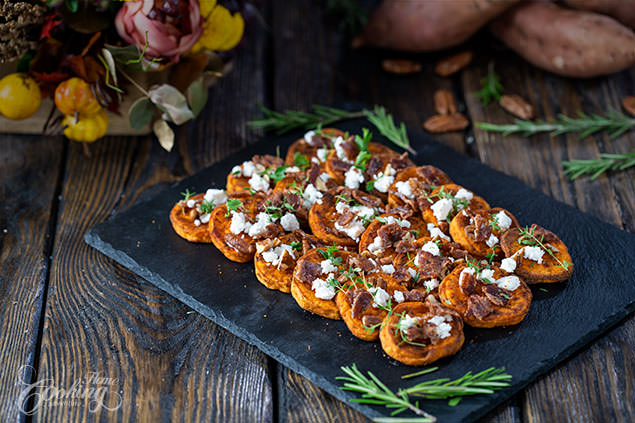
69	312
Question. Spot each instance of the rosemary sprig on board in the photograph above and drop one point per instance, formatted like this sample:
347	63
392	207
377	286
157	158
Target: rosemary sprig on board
491	87
595	167
288	120
373	391
616	123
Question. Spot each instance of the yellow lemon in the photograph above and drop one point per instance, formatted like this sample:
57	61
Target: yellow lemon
19	96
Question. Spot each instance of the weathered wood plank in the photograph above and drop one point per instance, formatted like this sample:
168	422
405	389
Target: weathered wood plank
29	170
595	385
168	363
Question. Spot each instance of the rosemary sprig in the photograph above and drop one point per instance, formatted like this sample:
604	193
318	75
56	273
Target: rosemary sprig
595	167
289	120
616	123
491	87
373	391
528	237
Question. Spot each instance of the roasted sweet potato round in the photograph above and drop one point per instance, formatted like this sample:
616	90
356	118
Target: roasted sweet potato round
189	222
388	235
255	170
485	297
412	183
536	263
309	145
276	258
364	303
342	216
344	155
445	201
419	333
479	231
380	171
236	245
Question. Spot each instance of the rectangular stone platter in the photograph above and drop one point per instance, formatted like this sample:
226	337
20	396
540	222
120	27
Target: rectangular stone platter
563	317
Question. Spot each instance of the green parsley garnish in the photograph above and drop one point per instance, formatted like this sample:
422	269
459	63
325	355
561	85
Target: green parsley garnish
207	206
187	194
301	161
233	204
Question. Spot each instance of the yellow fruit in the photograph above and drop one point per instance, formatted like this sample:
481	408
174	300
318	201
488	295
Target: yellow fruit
19	96
86	128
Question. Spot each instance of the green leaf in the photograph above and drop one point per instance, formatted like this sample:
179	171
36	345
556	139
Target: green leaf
125	54
141	113
24	64
172	101
72	5
197	96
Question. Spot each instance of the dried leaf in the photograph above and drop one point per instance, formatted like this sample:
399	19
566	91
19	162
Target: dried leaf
172	102
164	134
141	113
110	61
197	95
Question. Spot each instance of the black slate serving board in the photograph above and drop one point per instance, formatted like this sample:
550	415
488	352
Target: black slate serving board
563	317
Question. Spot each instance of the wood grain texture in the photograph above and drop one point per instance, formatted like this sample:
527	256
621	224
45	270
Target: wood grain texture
29	168
169	363
595	385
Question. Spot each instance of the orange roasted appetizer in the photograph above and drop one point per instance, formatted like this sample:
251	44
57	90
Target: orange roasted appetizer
365	300
254	174
485	295
479	231
389	234
536	254
419	333
190	216
445	202
276	258
342	216
235	226
411	185
315	146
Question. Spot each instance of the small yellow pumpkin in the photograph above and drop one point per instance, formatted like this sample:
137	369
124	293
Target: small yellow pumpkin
75	96
86	128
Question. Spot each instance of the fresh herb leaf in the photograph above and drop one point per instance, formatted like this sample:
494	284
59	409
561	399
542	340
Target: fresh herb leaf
207	206
528	237
491	87
233	204
301	161
296	245
595	167
187	194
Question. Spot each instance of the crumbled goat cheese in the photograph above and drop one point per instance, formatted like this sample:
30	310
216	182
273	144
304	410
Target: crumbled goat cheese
383	180
353	178
322	154
322	289
239	223
388	268
407	322
258	182
375	247
191	203
292	169
389	220
509	283
504	221
325	177
197	222
339	149
205	218
353	230
289	222
404	188
431	248
441	209
398	296
217	196
463	194
487	275
274	255
380	296
508	265
248	169
431	284
311	196
440	327
308	137
533	253
436	232
258	228
412	272
492	240
328	266
237	171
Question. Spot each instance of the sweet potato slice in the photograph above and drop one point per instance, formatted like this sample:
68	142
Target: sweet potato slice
344	155
238	247
309	145
554	263
276	258
388	235
238	178
479	231
184	220
456	197
333	227
420	180
419	333
380	171
486	304
314	284
364	303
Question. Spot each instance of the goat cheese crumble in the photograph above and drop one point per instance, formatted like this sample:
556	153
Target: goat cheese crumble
441	209
533	253
508	264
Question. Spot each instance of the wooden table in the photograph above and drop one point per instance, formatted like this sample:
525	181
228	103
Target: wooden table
69	312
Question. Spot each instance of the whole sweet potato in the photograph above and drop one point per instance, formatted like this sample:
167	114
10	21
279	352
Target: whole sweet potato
424	25
622	10
565	41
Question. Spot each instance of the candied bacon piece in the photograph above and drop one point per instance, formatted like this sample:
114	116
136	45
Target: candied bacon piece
478	307
495	295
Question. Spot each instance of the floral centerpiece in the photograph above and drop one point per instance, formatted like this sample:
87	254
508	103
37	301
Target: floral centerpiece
149	60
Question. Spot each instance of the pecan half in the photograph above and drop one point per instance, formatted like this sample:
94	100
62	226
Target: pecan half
629	104
444	103
453	64
517	106
400	66
446	123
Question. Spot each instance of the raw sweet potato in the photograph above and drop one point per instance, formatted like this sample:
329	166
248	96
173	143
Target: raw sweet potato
564	41
426	25
622	10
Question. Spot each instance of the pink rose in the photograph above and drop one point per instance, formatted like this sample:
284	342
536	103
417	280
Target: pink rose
172	26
